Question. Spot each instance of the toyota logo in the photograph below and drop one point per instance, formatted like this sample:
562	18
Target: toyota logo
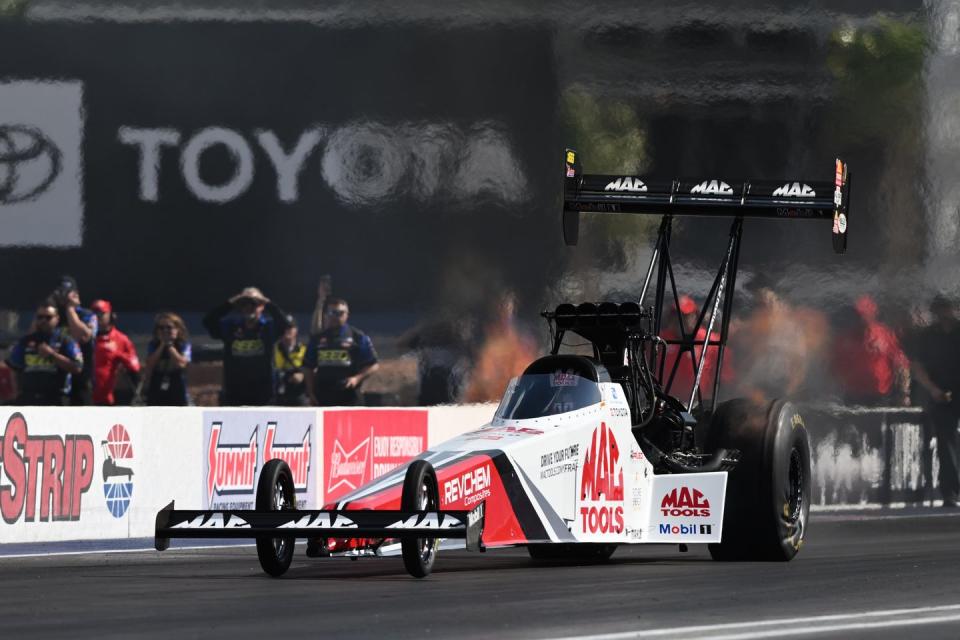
29	163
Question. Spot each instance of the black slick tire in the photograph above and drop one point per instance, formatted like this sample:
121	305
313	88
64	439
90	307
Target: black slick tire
768	494
571	552
275	492
419	494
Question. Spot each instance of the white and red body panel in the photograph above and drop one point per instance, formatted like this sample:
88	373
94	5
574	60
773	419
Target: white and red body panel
578	476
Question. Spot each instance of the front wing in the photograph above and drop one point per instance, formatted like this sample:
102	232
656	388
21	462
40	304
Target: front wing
466	525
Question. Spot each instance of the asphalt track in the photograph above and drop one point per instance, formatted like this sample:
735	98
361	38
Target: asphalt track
871	575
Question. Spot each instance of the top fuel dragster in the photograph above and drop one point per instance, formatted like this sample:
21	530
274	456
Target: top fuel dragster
587	453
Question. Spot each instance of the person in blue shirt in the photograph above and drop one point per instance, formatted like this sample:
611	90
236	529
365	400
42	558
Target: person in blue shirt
338	359
81	324
168	354
45	359
249	325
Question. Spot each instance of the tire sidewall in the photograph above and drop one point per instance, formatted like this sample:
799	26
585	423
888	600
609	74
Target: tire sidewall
274	471
787	432
418	473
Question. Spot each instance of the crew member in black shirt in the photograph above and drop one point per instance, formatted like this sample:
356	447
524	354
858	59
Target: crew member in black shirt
338	359
45	360
249	325
935	367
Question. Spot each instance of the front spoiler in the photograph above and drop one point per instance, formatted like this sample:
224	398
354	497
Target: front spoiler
172	523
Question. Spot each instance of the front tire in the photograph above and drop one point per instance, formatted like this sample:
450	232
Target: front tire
419	494
275	492
768	493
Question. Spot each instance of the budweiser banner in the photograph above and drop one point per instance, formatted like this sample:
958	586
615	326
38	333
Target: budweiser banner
238	443
362	444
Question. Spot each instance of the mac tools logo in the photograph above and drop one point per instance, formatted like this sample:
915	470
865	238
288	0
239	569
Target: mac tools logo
601	484
41	176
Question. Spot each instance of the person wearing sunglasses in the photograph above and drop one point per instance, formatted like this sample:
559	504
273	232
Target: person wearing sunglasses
249	325
112	351
45	359
338	359
168	354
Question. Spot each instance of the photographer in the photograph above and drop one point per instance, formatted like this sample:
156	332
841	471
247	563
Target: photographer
45	359
81	323
249	325
168	355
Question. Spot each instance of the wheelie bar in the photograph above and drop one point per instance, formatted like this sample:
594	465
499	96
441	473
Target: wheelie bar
171	523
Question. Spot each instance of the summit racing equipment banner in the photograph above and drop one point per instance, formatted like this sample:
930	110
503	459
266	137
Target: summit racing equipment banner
238	443
362	444
221	134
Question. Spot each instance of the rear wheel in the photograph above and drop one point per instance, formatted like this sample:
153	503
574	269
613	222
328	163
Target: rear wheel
768	493
419	494
577	552
275	492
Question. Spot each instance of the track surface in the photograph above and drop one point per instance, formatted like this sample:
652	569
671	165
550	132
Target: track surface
850	564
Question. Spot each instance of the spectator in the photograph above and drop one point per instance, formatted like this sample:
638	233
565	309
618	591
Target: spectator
935	367
45	359
82	325
338	359
442	348
506	352
113	350
867	361
168	354
288	354
248	335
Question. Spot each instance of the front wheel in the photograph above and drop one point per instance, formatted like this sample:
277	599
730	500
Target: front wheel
419	494
768	493
275	492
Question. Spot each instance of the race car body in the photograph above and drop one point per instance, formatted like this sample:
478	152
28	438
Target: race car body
559	463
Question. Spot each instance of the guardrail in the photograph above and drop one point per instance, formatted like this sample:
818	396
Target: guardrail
104	472
870	455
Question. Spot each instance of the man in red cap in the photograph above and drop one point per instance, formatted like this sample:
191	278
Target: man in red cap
113	349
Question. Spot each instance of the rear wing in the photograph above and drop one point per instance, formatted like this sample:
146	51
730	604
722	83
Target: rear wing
789	198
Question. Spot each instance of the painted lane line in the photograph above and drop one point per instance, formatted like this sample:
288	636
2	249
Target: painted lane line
745	626
90	552
853	626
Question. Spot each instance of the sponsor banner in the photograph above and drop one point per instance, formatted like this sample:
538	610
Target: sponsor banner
41	175
362	444
97	150
687	507
238	443
67	476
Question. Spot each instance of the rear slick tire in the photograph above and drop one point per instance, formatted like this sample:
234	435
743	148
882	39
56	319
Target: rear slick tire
767	505
419	494
275	492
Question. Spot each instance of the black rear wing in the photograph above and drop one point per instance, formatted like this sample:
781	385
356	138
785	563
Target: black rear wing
789	198
171	523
